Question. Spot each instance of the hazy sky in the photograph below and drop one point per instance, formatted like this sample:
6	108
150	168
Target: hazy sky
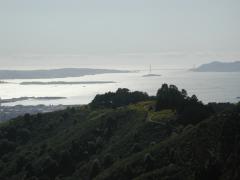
77	27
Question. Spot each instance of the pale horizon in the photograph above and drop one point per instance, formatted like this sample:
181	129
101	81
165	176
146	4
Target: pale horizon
69	33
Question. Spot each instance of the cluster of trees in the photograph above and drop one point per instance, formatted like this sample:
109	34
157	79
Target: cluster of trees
189	109
119	98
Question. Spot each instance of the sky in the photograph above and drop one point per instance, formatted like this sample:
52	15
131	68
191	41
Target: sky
86	32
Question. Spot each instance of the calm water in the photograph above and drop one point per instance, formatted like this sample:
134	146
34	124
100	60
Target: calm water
209	87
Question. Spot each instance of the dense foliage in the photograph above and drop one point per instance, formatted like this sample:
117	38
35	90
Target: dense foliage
121	97
135	141
189	109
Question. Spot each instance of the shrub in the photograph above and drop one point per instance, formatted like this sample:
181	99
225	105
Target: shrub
95	169
6	146
108	160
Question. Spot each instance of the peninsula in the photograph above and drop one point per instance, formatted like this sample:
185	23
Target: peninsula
217	66
11	100
65	82
55	73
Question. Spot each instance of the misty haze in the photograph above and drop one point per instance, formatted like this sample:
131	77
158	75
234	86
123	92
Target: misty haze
140	89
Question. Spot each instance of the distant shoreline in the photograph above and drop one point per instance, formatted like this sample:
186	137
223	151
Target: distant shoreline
65	82
12	100
3	82
55	73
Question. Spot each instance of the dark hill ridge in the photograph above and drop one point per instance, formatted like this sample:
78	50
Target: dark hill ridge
54	73
126	140
219	67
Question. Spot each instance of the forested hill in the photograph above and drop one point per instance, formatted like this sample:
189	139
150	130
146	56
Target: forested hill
125	135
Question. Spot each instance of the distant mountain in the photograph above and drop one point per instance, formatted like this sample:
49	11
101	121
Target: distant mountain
54	73
219	67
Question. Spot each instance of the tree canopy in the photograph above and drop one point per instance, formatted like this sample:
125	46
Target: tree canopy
121	97
189	109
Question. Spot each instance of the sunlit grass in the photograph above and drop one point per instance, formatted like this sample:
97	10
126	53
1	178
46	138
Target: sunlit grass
163	115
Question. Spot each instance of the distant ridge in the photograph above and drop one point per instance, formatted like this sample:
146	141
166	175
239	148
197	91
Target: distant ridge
54	73
217	66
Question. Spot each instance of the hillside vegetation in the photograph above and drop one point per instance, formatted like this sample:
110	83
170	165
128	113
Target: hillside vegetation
125	135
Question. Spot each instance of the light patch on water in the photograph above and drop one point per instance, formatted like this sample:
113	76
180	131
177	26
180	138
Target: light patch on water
209	87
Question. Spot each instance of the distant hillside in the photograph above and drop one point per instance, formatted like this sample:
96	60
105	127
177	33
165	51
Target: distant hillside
219	67
54	73
124	140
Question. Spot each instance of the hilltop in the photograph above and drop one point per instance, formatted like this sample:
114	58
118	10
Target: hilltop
219	67
125	135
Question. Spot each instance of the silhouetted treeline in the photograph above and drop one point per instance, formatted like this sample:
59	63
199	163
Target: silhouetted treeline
121	97
189	109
